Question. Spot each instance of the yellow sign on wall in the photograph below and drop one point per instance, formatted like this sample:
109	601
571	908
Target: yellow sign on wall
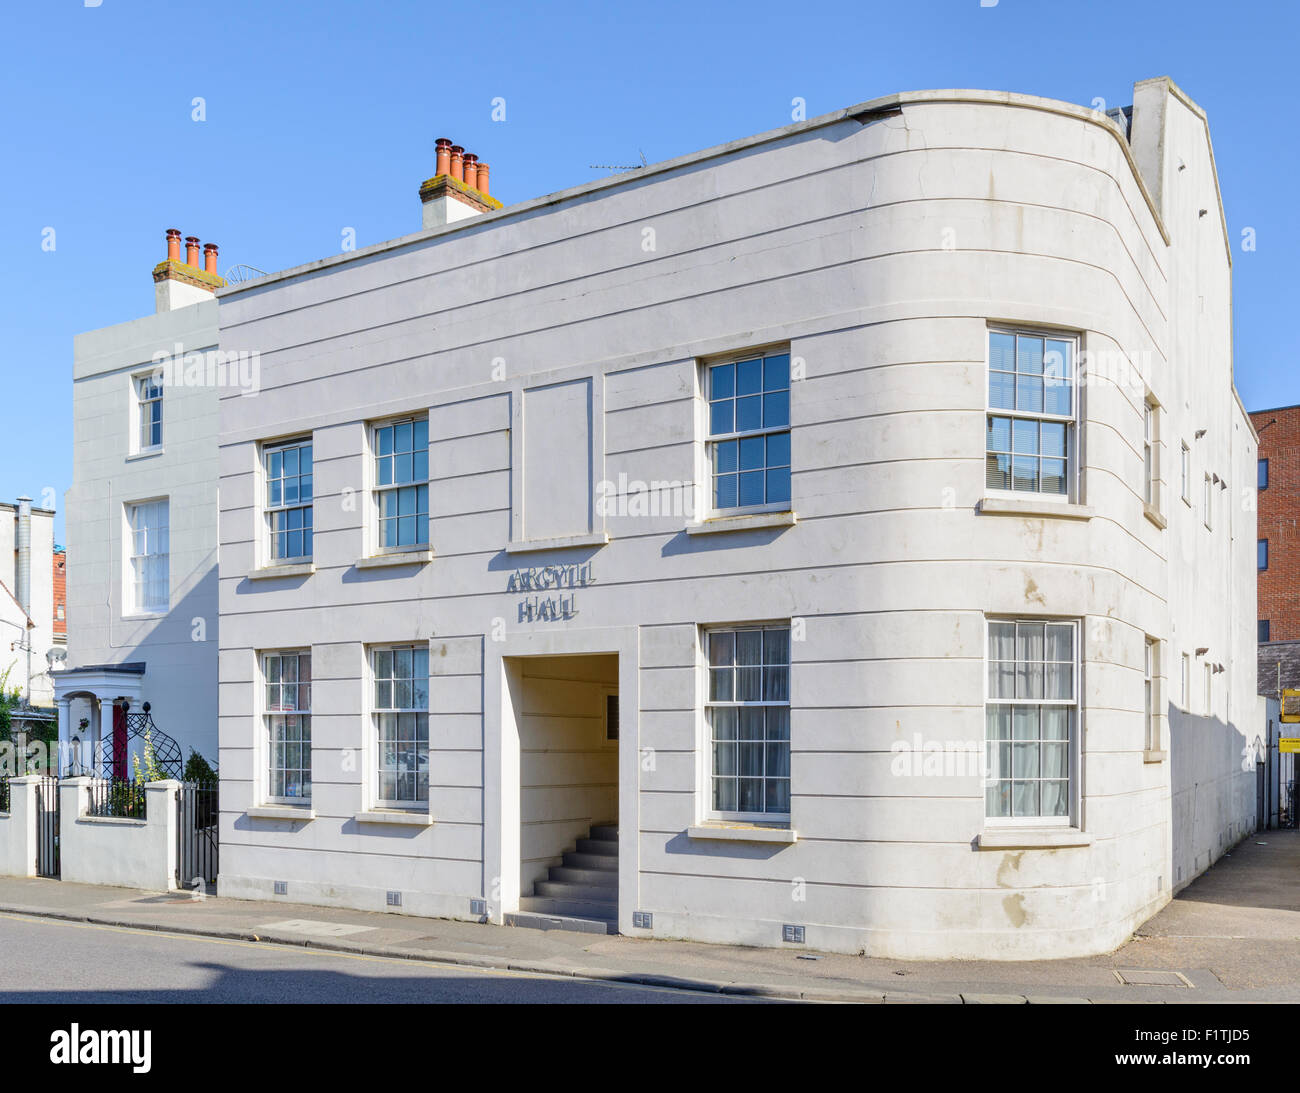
1290	706
1289	743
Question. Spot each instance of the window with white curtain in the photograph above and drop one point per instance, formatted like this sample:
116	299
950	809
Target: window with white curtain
401	725
148	566
748	714
287	713
1030	441
1031	716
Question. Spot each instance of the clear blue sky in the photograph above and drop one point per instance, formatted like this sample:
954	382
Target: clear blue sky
321	116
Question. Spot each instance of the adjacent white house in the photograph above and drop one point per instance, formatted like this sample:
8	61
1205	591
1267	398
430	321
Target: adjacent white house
27	639
839	537
142	524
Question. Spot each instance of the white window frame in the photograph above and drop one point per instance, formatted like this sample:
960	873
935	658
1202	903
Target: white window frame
142	401
1074	705
1186	470
1070	421
133	586
1151	689
378	490
1208	502
1151	453
378	711
1186	683
774	818
711	440
268	710
1209	689
270	510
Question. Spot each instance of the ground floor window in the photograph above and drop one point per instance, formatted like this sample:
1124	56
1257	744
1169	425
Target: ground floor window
748	715
401	725
287	678
1031	717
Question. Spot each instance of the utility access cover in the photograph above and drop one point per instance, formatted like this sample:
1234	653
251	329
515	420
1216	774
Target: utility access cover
315	927
1135	977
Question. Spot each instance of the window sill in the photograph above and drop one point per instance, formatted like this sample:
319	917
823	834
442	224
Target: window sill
271	572
1149	756
724	831
151	453
525	546
1031	838
394	816
747	522
1154	516
1062	510
281	812
403	557
137	616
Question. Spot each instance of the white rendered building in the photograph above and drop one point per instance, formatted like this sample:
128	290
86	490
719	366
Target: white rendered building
142	522
839	537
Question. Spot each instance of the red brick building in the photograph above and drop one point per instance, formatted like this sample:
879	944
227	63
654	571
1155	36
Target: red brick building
1279	508
60	596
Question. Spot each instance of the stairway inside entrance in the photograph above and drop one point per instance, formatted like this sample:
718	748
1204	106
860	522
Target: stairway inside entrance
582	893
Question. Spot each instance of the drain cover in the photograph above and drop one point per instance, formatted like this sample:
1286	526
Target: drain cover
1135	977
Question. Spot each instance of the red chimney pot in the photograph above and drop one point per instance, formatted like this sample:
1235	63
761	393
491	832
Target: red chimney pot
210	257
470	170
457	163
482	177
191	250
174	244
443	146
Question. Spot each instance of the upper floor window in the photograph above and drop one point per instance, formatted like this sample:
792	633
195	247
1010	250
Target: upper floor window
1263	474
1261	553
149	412
749	432
1262	631
1030	718
401	724
149	572
401	454
288	500
287	712
748	714
1149	470
1031	414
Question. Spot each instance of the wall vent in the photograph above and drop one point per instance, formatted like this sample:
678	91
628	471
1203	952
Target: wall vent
478	907
643	920
792	933
394	899
281	888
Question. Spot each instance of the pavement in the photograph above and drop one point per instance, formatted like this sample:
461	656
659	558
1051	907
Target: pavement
1230	936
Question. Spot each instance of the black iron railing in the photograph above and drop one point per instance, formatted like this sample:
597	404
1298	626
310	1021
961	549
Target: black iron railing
117	797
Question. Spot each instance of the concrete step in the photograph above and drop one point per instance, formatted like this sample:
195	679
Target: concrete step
598	846
560	889
569	908
602	878
604	862
536	921
605	832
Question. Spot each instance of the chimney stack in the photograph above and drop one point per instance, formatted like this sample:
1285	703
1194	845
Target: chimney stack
177	283
459	187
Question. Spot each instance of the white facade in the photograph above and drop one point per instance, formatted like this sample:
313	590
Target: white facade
560	354
142	532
